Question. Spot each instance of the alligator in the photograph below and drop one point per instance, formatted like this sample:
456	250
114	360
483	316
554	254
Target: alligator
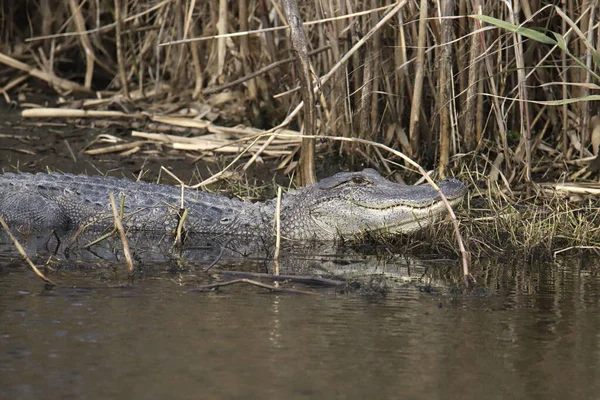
343	205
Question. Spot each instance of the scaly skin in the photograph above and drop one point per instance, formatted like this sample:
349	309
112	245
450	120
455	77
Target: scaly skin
342	205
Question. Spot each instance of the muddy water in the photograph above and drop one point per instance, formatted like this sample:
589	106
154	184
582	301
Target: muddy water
531	331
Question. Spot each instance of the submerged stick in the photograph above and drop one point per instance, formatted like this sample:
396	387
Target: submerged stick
251	282
24	254
305	279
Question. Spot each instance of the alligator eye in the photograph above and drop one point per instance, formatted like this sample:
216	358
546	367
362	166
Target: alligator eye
359	180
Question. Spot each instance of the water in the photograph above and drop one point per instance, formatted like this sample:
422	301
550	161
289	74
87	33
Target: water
532	331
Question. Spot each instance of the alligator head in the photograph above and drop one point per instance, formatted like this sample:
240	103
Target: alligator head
351	203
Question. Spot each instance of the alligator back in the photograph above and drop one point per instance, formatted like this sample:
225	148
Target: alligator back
61	202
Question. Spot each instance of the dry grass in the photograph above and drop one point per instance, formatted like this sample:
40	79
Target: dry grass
500	87
472	91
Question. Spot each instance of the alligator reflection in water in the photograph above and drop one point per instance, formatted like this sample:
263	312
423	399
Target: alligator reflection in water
154	255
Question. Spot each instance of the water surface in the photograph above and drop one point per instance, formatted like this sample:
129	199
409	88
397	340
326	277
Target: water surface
531	331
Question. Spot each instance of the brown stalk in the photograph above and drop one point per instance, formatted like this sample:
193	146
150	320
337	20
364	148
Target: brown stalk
84	41
50	112
338	94
591	35
277	230
523	104
401	81
444	87
120	58
197	66
376	50
121	229
499	117
263	70
328	76
565	94
462	51
415	107
366	92
470	139
48	77
222	41
245	48
23	253
300	49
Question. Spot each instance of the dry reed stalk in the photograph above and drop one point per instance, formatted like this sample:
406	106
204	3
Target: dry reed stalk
212	142
13	83
115	149
525	126
564	75
189	30
250	133
277	231
366	91
327	76
182	121
121	229
251	75
587	114
245	49
119	43
100	29
497	109
23	253
401	78
84	41
48	77
180	225
444	86
376	50
415	107
299	48
73	113
339	91
470	139
279	28
479	115
580	188
462	51
221	41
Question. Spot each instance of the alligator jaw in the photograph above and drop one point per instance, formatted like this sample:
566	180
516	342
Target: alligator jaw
421	216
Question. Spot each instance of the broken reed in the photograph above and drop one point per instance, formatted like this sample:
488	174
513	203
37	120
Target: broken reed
430	82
